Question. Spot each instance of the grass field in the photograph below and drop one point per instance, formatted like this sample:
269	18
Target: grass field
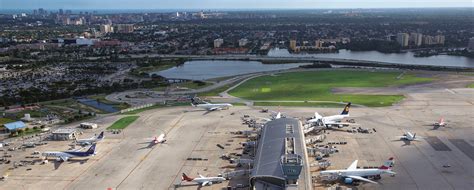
317	85
123	122
470	85
5	120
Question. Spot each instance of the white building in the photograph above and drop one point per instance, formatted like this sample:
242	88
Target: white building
243	42
402	39
470	46
416	38
106	28
87	125
218	42
63	134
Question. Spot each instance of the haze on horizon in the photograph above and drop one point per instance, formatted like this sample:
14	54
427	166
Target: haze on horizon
227	4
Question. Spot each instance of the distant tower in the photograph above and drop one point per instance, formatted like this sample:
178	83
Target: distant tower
293	45
402	39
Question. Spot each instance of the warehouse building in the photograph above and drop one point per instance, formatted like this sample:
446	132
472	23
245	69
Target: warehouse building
64	134
280	158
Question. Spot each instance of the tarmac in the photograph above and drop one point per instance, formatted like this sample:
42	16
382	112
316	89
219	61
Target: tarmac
127	161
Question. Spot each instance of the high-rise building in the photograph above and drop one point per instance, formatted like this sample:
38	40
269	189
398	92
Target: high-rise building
293	45
428	40
243	42
218	42
402	39
105	28
318	44
416	39
470	46
124	28
439	39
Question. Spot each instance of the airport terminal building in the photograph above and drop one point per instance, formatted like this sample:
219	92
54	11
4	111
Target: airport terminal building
280	158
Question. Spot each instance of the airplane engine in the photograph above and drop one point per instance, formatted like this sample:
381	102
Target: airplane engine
58	159
210	183
348	180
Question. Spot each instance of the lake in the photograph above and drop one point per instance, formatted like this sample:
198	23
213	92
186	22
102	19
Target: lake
98	105
399	58
202	70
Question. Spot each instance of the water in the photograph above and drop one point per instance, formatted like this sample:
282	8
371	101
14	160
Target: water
98	105
202	70
399	58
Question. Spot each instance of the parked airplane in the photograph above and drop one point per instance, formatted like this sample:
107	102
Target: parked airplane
91	140
440	123
209	106
333	120
65	155
409	137
352	173
203	181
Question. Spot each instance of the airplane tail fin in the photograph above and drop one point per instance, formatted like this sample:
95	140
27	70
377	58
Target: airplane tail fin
101	136
91	150
387	164
346	109
184	177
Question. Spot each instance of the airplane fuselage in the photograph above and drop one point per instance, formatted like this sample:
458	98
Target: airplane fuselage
209	180
356	172
213	106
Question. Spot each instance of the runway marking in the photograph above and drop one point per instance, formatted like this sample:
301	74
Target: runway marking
450	91
148	153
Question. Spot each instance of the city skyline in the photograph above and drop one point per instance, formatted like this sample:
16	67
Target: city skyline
227	4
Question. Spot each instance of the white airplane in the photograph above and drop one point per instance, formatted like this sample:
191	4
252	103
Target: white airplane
91	140
333	120
203	181
160	139
440	123
352	173
65	155
208	106
409	137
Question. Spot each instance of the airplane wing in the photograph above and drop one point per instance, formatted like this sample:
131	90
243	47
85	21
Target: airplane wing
204	183
63	158
213	108
362	179
339	123
201	176
317	116
353	166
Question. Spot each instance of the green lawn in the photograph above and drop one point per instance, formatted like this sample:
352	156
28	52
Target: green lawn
5	120
123	122
470	85
317	85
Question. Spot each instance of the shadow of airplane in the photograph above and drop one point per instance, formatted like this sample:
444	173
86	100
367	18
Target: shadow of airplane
57	163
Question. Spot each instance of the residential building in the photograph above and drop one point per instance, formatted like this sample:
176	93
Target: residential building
402	39
243	42
218	42
106	28
293	45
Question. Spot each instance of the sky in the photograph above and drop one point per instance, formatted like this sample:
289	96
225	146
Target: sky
227	4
